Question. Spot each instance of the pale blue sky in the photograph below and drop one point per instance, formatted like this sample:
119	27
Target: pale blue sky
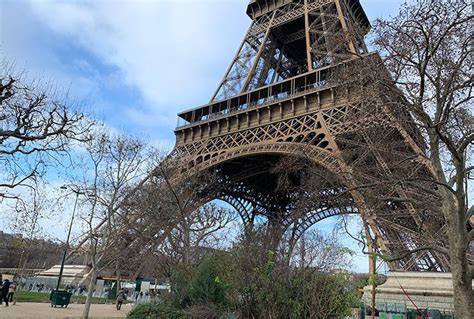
133	64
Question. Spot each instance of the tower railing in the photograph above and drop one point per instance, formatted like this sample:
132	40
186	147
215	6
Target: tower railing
303	84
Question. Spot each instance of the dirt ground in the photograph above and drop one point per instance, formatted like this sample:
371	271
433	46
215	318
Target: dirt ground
35	310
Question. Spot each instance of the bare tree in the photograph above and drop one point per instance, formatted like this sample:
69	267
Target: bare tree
423	87
36	128
195	232
172	206
26	215
114	164
428	50
322	252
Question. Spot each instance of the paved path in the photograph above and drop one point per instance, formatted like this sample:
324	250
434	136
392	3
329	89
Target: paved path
34	310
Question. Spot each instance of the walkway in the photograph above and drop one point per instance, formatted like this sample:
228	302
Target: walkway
34	310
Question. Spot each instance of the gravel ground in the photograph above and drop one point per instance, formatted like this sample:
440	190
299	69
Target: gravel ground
36	310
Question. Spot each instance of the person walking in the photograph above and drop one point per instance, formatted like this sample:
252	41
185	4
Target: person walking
120	299
4	292
11	291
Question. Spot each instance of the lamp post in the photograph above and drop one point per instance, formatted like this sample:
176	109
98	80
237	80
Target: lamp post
68	235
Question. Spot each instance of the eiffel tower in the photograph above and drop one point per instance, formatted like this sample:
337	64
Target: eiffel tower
276	101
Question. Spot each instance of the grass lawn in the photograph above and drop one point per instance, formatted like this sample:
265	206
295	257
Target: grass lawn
34	296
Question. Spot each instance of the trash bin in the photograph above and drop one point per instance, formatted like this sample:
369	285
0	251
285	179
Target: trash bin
60	298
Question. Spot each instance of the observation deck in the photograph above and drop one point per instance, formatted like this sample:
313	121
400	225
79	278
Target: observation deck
268	103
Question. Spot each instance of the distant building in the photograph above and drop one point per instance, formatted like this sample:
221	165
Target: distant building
72	275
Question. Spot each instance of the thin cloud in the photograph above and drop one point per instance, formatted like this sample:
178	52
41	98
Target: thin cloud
165	50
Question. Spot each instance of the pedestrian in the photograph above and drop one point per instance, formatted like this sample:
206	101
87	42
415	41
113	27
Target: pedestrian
120	299
11	291
4	292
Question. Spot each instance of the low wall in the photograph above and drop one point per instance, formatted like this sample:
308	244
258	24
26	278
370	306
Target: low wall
433	290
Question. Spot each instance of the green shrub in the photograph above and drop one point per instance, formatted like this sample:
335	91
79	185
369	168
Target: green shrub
180	284
207	285
253	281
280	292
155	311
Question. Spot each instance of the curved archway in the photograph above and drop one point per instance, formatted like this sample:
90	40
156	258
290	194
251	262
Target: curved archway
248	175
321	156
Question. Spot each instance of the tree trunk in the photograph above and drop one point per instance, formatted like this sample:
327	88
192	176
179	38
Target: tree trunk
186	245
372	276
87	306
117	274
463	296
302	252
462	277
458	243
274	235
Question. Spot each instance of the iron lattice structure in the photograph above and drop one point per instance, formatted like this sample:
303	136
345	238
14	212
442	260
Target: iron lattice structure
276	99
